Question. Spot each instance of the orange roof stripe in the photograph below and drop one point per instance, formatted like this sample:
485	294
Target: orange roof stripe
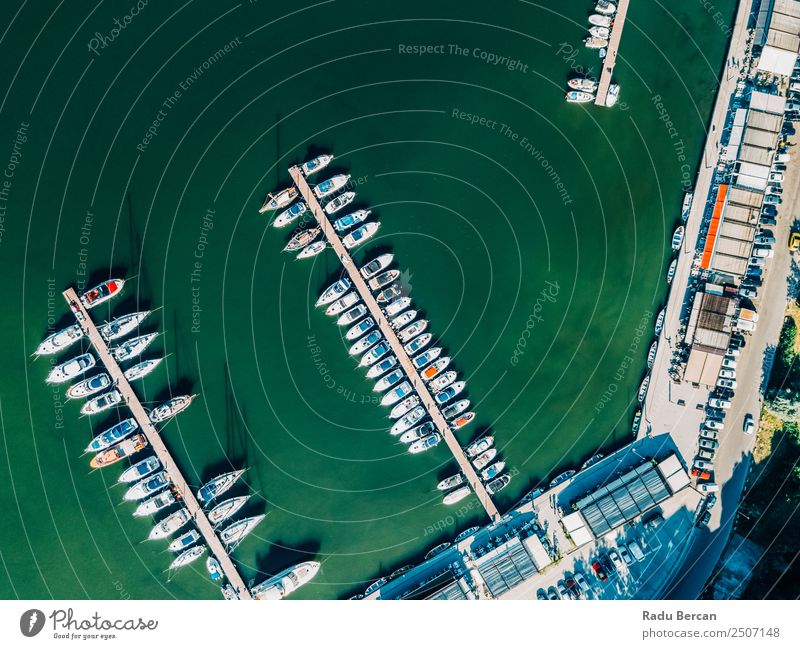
713	228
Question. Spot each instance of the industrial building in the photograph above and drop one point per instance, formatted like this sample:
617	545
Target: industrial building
777	29
709	334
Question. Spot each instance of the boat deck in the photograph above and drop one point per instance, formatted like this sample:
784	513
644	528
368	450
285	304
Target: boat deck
391	337
611	54
199	518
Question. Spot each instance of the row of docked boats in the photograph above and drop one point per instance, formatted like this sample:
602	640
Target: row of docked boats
600	24
306	242
483	457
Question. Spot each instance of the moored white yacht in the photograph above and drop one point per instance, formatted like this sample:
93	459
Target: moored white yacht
351	316
301	239
389	380
421	360
374	354
102	293
386	277
187	556
396	394
155	504
578	97
122	326
403	319
435	368
381	368
360	234
170	408
455	409
278	200
452	481
227	508
101	403
396	306
235	532
594	43
140	470
333	292
71	368
332	185
290	214
218	486
142	369
133	347
600	20
456	496
343	303
404	406
479	446
170	524
342	200
365	343
89	386
583	84
59	341
359	329
407	421
372	268
424	444
112	435
316	164
312	250
147	486
344	223
286	582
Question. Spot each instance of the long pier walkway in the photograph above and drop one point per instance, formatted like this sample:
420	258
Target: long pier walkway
611	55
391	337
204	526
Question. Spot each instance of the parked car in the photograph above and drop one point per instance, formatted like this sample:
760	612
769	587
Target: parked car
745	325
581	581
726	383
626	556
700	474
552	593
729	363
614	556
702	464
654	520
636	549
599	571
762	252
783	157
562	590
705	433
754	272
719	403
772	199
794	241
776	176
708	487
765	239
706	454
758	261
714	424
704	519
748	292
769	220
769	210
727	374
541	594
711	501
573	587
749	424
710	444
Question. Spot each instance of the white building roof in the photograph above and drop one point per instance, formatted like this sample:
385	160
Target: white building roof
764	101
537	551
577	529
777	61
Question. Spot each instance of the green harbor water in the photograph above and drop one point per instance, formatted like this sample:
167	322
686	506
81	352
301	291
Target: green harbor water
533	235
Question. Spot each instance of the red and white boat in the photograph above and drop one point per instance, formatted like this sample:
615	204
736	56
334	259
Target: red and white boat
102	293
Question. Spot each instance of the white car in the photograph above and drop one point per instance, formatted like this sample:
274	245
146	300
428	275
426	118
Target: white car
612	554
714	424
776	176
727	374
762	253
726	383
709	444
783	157
707	433
703	465
729	363
708	487
749	424
719	403
581	581
626	556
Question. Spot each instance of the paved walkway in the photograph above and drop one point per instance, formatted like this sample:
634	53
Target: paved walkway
611	55
391	337
205	528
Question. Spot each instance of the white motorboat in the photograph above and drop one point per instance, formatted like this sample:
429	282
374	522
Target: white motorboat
417	344
344	223
277	201
467	532
386	277
462	420
688	197
312	250
316	164
128	447
227	508
375	354
583	84
484	458
359	329
457	496
389	294
613	95
218	486
643	389
381	368
235	532
437	550
140	370
331	186
660	321
365	343
455	409
423	359
479	446
375	266
595	43
343	303
435	368
333	292
677	238
389	380
71	368
407	421
214	569
395	307
290	214
187	556
155	504
671	271
492	471
498	483
442	381
140	470
418	432
605	7
169	525
59	341
412	330
599	32
403	319
577	97
449	392
600	20
147	486
101	403
561	477
452	481
102	293
342	200
112	435
360	234
184	541
301	238
122	326
396	394
133	347
285	583
424	444
651	355
404	406
170	408
89	386
351	316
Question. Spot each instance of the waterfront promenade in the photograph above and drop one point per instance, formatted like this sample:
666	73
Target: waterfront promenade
611	54
199	518
391	337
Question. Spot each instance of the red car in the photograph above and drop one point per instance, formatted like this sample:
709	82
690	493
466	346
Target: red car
701	475
599	571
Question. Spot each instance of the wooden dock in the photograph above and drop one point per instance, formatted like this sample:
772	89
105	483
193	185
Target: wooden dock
391	337
199	518
611	55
